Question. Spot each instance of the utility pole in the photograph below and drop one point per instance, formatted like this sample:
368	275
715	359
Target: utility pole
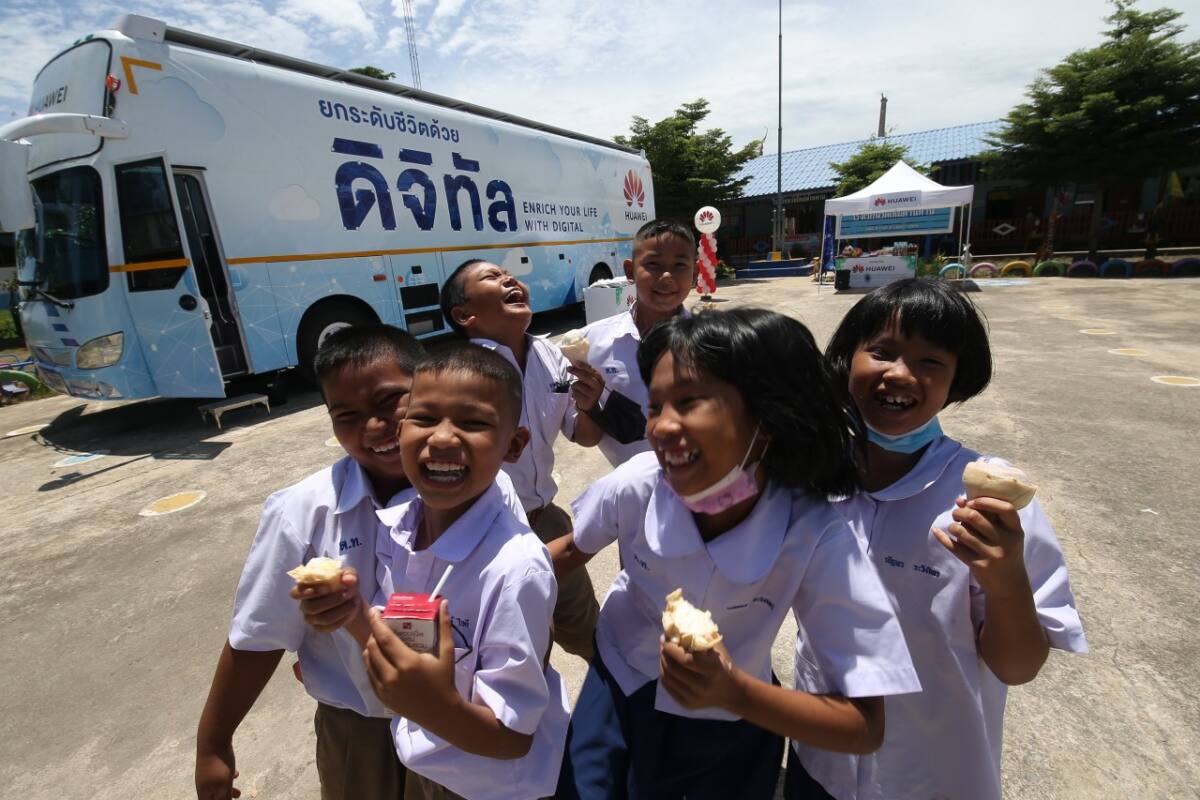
882	116
779	150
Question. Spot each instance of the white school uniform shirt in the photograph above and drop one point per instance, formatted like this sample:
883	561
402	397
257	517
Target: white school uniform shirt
544	412
789	553
501	594
330	513
612	349
946	741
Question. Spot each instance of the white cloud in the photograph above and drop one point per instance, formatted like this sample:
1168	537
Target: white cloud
591	66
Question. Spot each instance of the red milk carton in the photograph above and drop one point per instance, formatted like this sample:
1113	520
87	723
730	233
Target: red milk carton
414	618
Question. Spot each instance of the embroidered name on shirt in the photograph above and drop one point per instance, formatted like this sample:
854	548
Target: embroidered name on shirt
893	562
612	370
640	563
349	544
926	569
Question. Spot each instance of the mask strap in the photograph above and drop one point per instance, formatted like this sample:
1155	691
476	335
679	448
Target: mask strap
750	449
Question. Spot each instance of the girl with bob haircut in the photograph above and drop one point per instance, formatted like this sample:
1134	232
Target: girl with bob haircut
980	588
749	434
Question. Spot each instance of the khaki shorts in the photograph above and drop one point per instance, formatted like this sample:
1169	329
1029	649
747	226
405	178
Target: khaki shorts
419	787
356	756
576	611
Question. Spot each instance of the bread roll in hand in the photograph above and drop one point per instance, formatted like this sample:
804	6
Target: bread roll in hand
688	626
982	479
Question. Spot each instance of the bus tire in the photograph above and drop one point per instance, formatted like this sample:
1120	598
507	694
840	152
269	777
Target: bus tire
1117	267
984	269
600	272
321	320
1021	268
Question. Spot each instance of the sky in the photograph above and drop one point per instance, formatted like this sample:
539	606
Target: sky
591	66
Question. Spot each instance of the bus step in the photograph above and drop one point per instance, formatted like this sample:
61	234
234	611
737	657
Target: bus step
229	357
215	410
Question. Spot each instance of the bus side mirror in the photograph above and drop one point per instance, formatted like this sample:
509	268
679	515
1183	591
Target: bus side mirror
16	197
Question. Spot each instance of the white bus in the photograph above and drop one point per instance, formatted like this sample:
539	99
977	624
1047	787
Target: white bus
203	210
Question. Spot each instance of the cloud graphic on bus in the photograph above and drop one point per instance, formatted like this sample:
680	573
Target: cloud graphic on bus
634	191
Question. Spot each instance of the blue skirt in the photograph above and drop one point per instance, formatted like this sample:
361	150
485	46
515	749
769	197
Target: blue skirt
622	748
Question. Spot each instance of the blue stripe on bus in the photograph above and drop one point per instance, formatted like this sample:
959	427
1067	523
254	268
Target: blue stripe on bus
70	342
352	147
58	326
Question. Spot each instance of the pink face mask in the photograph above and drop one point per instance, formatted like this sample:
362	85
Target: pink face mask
737	485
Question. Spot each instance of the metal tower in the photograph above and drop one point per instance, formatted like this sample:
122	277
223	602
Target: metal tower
410	32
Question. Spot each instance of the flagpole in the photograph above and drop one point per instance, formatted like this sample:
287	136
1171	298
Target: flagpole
779	149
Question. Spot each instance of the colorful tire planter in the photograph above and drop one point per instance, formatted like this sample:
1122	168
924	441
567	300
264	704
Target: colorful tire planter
957	269
1050	269
1083	268
1186	268
1016	268
1116	268
1150	268
984	269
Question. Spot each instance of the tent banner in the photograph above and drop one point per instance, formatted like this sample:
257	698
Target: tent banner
899	223
867	272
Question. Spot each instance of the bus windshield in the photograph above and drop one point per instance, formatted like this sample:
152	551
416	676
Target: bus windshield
64	254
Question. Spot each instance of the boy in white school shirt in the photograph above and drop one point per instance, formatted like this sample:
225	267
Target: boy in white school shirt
663	270
365	374
485	717
491	307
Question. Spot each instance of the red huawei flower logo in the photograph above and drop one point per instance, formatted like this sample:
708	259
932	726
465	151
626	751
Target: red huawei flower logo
634	190
706	216
879	201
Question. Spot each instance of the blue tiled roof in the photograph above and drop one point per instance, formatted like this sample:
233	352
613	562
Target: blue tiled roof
809	168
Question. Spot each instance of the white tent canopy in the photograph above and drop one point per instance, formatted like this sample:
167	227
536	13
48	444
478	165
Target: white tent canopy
901	188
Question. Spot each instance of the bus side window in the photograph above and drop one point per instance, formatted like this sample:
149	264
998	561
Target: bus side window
149	232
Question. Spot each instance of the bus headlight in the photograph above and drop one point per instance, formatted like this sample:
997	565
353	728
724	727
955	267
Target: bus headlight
103	351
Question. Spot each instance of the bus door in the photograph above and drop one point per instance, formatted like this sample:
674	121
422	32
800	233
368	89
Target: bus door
419	279
212	274
170	316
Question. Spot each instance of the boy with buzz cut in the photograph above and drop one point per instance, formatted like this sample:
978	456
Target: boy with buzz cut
491	307
663	271
365	375
484	716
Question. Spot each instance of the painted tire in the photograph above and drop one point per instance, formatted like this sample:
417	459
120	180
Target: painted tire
1021	268
17	376
955	267
1050	269
1116	267
984	269
1083	269
1150	268
1186	268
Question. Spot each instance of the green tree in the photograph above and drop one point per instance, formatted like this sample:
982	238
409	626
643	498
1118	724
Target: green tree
869	162
373	72
692	168
1127	109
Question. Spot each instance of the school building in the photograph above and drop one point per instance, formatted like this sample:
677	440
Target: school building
1008	217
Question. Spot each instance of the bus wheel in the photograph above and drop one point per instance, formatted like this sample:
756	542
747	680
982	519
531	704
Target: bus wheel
600	272
317	324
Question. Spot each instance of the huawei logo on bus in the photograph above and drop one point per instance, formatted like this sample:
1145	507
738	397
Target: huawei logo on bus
880	201
634	190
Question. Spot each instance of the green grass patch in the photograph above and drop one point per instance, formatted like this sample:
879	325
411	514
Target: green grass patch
8	330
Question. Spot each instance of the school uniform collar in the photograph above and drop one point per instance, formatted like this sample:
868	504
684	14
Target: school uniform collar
460	539
355	486
928	471
532	348
743	554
